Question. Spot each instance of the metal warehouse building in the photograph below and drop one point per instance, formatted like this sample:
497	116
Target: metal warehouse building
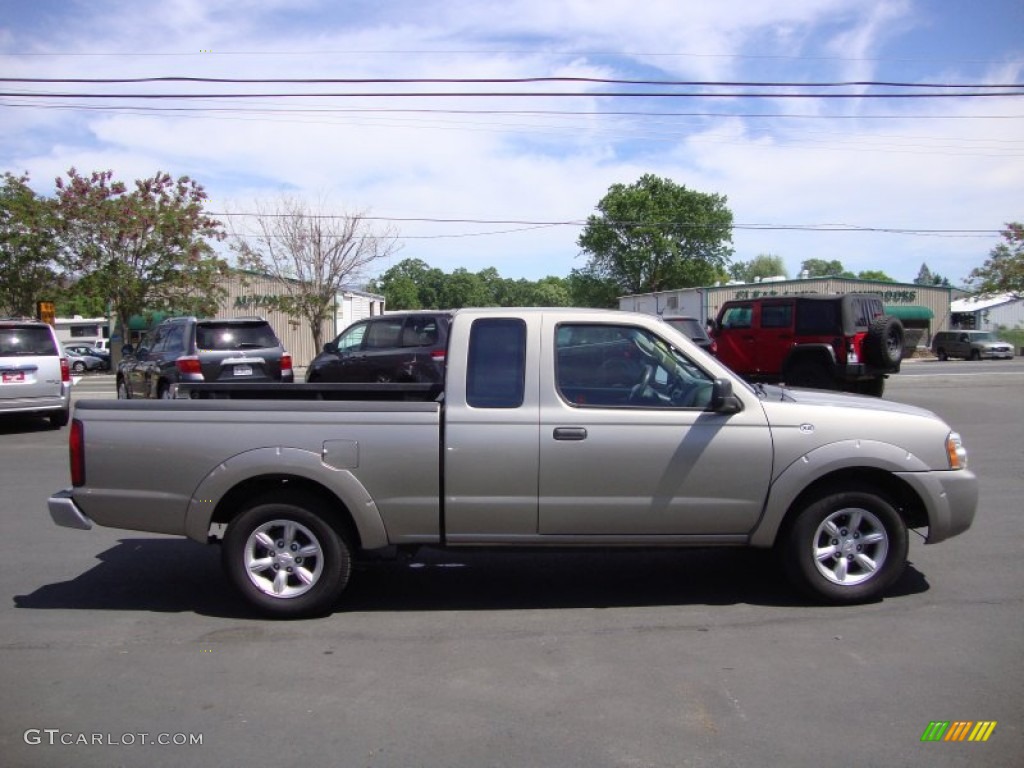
924	309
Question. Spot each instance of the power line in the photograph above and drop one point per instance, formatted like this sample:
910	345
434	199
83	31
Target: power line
511	94
507	81
945	232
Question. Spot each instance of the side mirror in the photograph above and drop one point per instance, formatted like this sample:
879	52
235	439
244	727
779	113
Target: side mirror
722	398
331	348
711	326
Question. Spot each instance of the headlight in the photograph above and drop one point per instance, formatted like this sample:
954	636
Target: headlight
956	451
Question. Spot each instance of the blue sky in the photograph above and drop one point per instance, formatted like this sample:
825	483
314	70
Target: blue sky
804	177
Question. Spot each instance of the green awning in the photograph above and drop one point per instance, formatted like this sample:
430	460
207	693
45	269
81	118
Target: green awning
145	322
910	312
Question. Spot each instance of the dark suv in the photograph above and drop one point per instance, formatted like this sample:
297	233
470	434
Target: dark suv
185	349
399	347
823	342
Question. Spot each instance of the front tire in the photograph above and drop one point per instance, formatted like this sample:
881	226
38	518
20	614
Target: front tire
285	558
846	547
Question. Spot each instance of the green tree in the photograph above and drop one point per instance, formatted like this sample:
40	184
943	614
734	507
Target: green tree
656	235
1003	271
875	274
28	248
926	277
589	289
410	284
462	288
822	268
550	292
142	250
765	265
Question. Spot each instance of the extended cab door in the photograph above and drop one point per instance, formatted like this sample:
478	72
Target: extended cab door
491	430
628	447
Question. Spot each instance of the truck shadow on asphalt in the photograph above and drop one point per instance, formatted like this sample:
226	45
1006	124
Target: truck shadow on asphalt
177	575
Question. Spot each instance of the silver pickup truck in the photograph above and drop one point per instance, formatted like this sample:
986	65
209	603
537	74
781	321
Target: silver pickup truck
554	428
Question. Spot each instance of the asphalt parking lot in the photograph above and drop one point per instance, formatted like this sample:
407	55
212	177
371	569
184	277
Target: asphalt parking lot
113	642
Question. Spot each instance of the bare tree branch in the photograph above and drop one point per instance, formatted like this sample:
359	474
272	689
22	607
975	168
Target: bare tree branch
312	253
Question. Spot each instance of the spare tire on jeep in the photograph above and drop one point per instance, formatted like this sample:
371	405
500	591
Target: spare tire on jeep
883	346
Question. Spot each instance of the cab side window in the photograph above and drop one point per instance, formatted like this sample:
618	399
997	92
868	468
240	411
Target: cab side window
624	366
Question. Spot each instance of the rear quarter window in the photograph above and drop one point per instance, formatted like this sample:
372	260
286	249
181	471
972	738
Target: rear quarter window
496	367
814	318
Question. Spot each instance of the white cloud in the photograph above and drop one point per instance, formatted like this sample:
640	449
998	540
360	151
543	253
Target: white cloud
910	170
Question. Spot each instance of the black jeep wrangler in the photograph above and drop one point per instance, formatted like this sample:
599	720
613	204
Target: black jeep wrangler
823	342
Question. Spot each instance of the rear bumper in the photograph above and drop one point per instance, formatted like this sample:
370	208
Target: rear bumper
66	513
48	404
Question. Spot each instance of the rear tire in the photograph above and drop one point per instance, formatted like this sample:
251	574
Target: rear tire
60	418
285	558
846	547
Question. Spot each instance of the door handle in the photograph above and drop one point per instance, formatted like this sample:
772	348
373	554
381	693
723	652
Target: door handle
570	433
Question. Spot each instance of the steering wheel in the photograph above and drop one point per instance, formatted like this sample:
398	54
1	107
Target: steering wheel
636	394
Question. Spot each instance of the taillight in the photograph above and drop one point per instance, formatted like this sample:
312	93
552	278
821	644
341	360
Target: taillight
286	362
76	452
437	355
188	365
65	370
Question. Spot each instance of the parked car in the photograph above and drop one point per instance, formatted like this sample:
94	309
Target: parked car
970	345
820	342
86	361
35	377
85	349
695	331
399	347
196	350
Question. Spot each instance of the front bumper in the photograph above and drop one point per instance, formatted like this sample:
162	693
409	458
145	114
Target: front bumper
997	354
66	513
950	497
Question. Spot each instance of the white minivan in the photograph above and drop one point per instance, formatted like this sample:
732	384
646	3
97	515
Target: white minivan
34	374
